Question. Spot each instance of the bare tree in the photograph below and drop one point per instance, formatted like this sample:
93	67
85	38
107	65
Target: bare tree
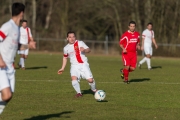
34	17
48	17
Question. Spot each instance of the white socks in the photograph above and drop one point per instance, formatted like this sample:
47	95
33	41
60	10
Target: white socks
148	63
76	86
143	60
22	62
148	60
93	85
2	104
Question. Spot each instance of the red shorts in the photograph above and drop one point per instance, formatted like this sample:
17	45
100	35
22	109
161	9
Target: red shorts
130	59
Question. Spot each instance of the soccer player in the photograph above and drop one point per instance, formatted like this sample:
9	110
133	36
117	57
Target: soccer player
147	39
76	51
129	43
9	35
25	38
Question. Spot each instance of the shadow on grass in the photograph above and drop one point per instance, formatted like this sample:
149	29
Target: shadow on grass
155	67
139	80
89	91
102	101
46	117
41	67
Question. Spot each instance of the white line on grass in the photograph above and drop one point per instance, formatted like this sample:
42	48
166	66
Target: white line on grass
100	82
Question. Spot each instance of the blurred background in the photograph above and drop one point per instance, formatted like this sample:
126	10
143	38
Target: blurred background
99	23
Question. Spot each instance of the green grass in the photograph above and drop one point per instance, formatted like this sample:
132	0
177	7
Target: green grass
41	94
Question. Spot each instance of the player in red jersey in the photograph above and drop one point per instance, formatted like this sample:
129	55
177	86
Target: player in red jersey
129	43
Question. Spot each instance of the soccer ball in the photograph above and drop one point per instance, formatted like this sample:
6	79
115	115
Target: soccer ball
99	95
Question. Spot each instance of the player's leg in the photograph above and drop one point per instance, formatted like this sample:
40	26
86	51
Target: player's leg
25	55
141	62
22	54
126	73
147	51
5	90
75	75
92	84
149	58
87	74
125	70
133	62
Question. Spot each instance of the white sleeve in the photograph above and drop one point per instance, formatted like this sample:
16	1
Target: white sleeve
82	44
65	52
144	34
152	34
4	31
30	35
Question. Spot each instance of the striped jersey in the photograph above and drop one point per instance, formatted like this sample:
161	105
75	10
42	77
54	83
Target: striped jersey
148	35
9	36
73	52
130	40
25	34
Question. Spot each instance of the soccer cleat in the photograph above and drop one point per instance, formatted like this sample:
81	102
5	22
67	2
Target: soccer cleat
19	65
23	68
78	95
149	68
126	81
94	91
122	74
139	66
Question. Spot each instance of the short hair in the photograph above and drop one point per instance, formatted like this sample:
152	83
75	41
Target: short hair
17	8
70	32
132	22
150	23
24	21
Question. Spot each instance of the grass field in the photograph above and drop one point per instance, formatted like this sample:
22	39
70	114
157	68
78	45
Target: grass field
41	94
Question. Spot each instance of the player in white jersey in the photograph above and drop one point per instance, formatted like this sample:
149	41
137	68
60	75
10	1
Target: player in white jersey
9	36
25	38
147	40
76	50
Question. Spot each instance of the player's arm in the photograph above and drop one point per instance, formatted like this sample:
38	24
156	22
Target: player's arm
61	70
4	32
121	42
87	50
2	63
124	50
84	48
138	43
155	44
32	43
138	46
142	46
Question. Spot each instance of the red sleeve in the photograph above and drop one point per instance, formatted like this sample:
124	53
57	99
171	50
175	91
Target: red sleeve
65	55
122	39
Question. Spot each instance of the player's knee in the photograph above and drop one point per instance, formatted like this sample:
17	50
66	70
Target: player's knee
132	69
90	80
148	56
6	97
25	56
127	67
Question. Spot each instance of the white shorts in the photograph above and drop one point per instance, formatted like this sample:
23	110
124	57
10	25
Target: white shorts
7	78
24	52
148	50
81	71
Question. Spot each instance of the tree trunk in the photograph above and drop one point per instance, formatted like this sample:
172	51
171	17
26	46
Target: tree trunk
24	2
64	19
10	6
172	49
48	17
34	17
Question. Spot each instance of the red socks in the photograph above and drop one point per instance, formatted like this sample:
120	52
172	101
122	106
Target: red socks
126	74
